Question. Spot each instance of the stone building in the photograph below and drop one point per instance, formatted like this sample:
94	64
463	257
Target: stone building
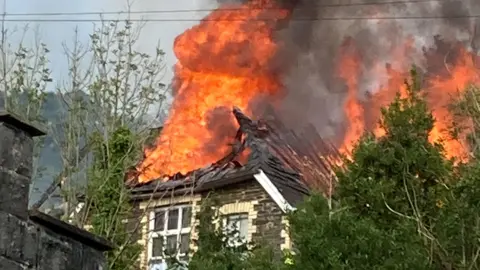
254	197
31	239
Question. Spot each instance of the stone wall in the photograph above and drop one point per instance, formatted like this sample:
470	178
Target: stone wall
30	239
267	221
142	215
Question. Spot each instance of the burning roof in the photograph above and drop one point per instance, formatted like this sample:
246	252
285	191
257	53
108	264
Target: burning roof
333	67
292	161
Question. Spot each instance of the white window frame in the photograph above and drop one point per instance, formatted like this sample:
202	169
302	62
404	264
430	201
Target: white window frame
166	232
226	227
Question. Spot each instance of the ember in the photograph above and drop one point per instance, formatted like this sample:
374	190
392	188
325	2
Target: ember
231	58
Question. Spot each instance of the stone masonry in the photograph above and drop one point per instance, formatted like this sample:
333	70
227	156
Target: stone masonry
268	221
31	239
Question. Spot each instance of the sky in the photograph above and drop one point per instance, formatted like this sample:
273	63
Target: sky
55	33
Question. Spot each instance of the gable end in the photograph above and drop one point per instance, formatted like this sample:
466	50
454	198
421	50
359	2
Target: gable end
270	188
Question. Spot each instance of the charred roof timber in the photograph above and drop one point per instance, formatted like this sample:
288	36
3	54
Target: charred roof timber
295	162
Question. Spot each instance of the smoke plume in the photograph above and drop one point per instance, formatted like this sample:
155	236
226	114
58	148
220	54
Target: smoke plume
312	40
321	62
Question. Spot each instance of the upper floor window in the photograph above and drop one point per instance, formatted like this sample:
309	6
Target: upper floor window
236	226
169	234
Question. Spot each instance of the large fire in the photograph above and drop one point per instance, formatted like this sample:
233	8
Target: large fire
224	62
441	88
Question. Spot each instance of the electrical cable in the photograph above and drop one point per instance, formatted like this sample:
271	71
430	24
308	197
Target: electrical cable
211	10
253	19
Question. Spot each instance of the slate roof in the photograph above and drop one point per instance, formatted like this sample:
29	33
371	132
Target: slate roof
286	181
273	149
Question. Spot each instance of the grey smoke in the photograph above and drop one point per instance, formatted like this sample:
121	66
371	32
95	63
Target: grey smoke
310	49
314	94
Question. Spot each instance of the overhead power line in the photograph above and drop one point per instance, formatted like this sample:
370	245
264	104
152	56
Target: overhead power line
145	12
253	19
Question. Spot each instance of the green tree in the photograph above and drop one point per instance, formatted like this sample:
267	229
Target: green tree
386	202
325	239
109	85
24	78
109	197
458	225
113	119
215	250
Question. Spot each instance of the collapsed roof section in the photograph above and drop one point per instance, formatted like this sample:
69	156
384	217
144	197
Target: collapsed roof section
294	163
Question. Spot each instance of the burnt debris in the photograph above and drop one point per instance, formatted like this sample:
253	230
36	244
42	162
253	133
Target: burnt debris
294	161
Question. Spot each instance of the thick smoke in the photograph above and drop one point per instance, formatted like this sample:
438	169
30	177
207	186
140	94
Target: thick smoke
312	39
219	121
311	47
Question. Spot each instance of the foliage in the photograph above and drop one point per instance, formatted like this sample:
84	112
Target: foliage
467	112
126	82
106	98
458	226
396	207
125	86
25	77
264	257
399	203
109	198
215	250
346	240
402	171
27	84
387	200
110	84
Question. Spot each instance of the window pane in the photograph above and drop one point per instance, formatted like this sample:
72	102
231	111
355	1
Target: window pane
237	227
159	221
186	217
171	245
243	227
231	221
184	243
157	247
157	265
173	219
231	224
235	221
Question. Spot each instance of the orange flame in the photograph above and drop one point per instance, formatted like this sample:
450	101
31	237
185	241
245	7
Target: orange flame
445	89
442	88
349	70
222	62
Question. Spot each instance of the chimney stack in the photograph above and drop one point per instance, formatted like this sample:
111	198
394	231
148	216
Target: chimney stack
32	239
16	157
